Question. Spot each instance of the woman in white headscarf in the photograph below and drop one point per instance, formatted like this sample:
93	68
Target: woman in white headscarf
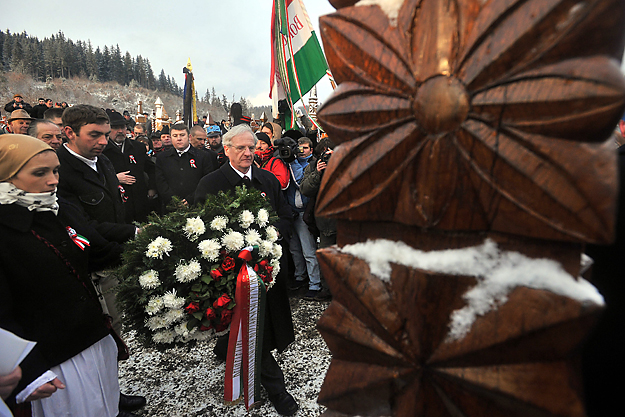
45	291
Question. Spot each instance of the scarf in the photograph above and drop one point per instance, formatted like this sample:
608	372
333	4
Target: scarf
265	155
10	194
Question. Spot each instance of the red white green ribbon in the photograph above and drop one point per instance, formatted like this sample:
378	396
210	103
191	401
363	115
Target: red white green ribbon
246	336
79	240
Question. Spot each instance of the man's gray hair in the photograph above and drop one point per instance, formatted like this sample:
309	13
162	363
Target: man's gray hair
241	129
33	128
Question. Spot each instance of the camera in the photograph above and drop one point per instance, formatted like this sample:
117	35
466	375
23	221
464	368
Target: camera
287	149
326	157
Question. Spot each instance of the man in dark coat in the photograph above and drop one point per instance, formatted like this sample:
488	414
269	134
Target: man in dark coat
239	145
17	103
180	169
132	166
87	179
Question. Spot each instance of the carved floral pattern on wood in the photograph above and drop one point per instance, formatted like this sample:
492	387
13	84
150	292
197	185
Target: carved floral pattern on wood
390	353
476	115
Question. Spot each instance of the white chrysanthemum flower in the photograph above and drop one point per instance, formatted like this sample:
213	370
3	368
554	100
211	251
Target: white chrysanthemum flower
181	329
188	272
272	234
219	223
194	228
252	237
157	322
209	249
164	336
175	314
206	335
276	268
265	248
171	300
233	241
246	218
149	280
159	247
276	251
154	306
262	218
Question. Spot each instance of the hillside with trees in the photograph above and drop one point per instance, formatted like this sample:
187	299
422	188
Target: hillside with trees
73	71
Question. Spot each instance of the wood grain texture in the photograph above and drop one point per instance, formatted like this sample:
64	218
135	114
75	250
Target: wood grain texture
476	117
392	354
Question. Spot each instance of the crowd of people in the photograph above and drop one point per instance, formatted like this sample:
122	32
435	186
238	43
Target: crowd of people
75	183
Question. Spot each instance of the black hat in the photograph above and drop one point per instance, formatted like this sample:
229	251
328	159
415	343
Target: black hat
165	130
293	134
115	119
156	135
126	113
264	137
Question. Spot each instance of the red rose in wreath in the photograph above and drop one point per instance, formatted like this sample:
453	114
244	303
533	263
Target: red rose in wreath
226	317
227	264
210	314
222	301
204	328
216	274
193	307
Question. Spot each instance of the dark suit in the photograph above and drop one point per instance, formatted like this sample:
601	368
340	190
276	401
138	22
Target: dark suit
135	160
97	193
278	332
180	175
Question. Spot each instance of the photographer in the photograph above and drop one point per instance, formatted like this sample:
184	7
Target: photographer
310	187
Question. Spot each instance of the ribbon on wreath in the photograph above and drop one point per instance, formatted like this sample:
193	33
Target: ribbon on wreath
246	336
79	240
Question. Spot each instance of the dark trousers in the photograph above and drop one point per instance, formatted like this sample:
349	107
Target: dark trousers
271	376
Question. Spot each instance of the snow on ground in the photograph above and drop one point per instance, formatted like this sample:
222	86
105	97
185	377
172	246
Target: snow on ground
188	381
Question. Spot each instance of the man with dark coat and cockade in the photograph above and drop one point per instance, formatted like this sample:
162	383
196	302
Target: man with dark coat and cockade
239	145
180	168
132	166
87	179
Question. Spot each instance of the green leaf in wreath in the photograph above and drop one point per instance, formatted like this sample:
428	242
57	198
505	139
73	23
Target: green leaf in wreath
198	315
207	279
197	287
193	323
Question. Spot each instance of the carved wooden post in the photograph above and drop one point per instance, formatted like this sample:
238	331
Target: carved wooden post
473	158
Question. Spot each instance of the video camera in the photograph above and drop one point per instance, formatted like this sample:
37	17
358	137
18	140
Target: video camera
286	149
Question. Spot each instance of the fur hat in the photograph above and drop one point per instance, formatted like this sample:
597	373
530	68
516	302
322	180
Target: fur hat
19	114
16	151
165	130
115	119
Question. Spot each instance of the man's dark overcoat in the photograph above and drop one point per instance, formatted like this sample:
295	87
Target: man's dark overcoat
97	193
135	160
180	175
278	325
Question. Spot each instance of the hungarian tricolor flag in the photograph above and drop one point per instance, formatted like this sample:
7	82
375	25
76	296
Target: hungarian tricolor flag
298	62
190	111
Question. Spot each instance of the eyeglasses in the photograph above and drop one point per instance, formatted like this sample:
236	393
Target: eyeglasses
243	148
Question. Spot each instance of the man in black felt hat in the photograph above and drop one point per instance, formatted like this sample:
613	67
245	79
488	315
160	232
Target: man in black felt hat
166	138
131	166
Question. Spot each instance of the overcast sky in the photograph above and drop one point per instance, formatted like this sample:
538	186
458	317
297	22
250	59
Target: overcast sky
229	43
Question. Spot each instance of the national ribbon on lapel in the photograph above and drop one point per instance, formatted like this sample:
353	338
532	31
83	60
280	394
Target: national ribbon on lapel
192	162
132	159
122	193
246	336
79	240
